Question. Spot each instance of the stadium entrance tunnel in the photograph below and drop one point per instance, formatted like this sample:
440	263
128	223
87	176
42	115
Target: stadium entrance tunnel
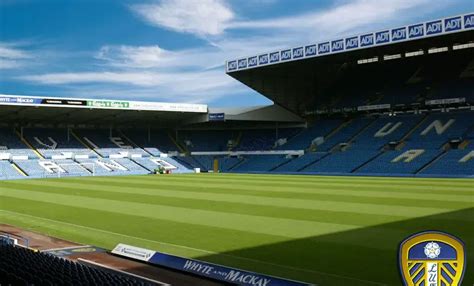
361	257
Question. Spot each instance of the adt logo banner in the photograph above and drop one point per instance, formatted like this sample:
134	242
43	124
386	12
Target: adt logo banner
432	258
434	27
252	61
324	48
337	45
263	59
366	40
298	53
469	21
231	66
242	63
399	34
382	37
452	24
285	55
416	31
310	50
352	43
275	57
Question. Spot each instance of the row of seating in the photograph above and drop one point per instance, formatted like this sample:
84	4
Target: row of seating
24	267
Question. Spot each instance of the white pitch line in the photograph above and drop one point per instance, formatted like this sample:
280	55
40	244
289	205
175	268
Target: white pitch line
197	249
65	248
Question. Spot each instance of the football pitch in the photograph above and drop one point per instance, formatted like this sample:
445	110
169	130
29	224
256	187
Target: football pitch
319	229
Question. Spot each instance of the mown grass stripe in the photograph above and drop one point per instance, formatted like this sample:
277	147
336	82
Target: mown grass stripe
363	208
430	182
227	194
273	226
55	224
296	185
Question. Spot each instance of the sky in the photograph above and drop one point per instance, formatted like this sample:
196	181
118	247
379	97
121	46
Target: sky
174	50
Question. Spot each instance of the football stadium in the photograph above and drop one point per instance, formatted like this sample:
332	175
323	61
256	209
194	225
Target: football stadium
370	140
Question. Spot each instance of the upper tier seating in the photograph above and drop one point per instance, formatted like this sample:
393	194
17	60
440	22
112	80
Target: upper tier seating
303	140
206	140
11	144
438	128
384	130
55	142
24	267
109	146
263	139
345	133
158	142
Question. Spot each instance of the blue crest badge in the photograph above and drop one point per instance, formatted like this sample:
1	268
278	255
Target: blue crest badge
432	258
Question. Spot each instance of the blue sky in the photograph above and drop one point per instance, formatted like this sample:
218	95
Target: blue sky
174	51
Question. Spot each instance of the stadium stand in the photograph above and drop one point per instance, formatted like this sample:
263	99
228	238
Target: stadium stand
24	267
55	143
10	143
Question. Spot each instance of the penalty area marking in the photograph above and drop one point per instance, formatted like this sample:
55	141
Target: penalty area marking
195	249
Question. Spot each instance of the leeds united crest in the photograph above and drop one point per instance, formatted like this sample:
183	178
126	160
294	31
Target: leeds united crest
432	259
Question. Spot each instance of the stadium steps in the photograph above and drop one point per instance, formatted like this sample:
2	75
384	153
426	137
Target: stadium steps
84	143
430	163
361	131
412	130
281	164
122	134
84	167
367	162
238	164
19	170
337	129
134	161
314	162
237	141
180	148
23	139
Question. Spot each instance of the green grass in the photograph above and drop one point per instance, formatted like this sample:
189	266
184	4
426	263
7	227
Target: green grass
325	230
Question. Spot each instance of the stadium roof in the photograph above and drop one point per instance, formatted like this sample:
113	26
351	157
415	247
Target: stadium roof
50	110
27	110
290	77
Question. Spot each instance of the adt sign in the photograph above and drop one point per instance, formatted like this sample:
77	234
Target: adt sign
382	37
399	34
337	46
242	63
324	48
298	53
352	43
434	27
366	40
274	57
469	21
263	59
452	24
285	55
252	61
416	31
232	65
310	50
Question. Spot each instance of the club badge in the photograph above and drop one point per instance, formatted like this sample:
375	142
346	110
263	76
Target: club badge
432	258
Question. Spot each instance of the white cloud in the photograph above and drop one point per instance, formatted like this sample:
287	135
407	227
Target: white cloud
200	17
12	57
351	15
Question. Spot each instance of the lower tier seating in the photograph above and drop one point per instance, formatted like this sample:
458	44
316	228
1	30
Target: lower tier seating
24	267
